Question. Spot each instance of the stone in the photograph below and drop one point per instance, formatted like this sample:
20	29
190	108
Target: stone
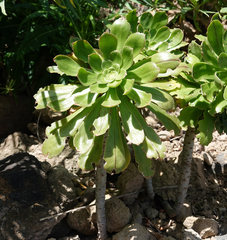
190	234
207	159
206	227
138	218
129	181
80	220
221	164
133	232
117	215
27	199
151	213
59	180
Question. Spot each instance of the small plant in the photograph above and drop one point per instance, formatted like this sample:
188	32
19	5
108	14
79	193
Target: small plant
108	95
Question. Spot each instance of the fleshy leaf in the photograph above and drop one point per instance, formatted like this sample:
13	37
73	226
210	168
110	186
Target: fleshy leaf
102	123
127	85
82	49
127	57
218	105
141	98
67	65
107	44
144	163
93	155
223	60
215	33
165	60
130	122
171	122
85	98
146	20
189	116
99	88
136	41
115	57
111	99
209	90
133	20
209	55
116	152
162	35
175	38
121	29
95	62
54	69
206	128
160	97
86	78
144	73
53	145
160	19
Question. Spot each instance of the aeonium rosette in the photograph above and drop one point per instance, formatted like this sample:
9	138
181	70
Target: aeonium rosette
113	84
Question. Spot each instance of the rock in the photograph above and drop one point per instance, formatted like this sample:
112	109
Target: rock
25	199
16	143
221	164
137	218
151	213
117	215
129	181
223	237
60	230
80	220
70	238
60	183
167	238
206	227
190	234
133	231
162	215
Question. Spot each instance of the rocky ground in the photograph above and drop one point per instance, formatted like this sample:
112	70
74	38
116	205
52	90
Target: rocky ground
130	212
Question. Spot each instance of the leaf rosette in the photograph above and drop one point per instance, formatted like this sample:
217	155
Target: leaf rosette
111	91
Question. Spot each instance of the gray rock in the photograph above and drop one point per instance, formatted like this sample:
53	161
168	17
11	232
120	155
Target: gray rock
137	218
129	181
26	200
151	213
81	221
190	234
60	182
206	227
133	231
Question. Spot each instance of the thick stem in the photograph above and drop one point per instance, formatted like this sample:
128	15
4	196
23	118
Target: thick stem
150	189
100	200
185	173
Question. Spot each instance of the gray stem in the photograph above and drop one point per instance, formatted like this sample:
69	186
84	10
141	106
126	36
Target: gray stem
150	189
185	173
100	199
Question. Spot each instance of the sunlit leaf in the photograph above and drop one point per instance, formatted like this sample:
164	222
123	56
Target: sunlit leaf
82	49
189	116
95	62
127	57
111	98
107	44
127	85
102	123
86	78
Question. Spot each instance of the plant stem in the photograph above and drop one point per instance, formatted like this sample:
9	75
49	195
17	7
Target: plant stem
150	189
185	173
100	200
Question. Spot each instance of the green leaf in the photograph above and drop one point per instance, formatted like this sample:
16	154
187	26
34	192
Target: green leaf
85	98
199	102
54	69
95	62
162	35
220	78
196	50
116	152
175	38
218	105
2	6
99	88
169	121
223	60
111	98
141	98
144	163
130	122
82	49
86	78
163	84
115	57
107	44
54	92
136	41
160	97
206	128
93	155
165	60
209	55
215	33
127	57
144	73
127	85
133	20
146	20
53	145
61	105
160	19
189	116
102	123
203	71
209	90
121	29
67	65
